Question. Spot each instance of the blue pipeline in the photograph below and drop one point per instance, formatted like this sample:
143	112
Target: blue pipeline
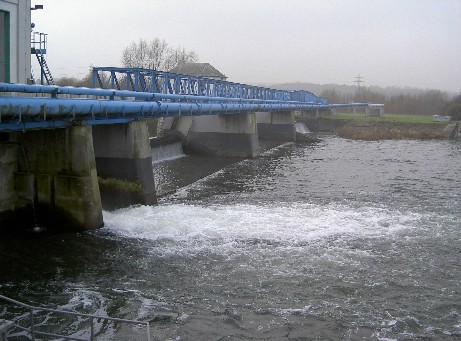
20	113
56	91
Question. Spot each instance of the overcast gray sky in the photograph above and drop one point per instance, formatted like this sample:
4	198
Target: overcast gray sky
415	43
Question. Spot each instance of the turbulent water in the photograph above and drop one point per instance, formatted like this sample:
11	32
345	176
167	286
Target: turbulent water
341	240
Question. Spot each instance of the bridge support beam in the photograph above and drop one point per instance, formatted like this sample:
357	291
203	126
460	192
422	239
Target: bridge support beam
124	163
278	126
49	179
219	135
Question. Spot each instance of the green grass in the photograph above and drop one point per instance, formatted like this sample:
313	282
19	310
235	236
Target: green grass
394	118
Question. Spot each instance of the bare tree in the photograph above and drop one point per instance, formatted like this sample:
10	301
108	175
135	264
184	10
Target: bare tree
155	54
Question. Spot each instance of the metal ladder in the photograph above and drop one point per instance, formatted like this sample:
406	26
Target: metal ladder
38	42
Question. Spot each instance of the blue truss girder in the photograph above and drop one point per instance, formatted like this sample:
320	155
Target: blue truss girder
145	80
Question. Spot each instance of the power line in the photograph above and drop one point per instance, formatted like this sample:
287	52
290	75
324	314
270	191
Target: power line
359	80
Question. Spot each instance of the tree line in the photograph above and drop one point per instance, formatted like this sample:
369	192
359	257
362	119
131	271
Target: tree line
425	102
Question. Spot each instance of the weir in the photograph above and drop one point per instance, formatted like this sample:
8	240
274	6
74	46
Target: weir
70	153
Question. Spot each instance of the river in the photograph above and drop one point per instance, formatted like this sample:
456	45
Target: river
339	240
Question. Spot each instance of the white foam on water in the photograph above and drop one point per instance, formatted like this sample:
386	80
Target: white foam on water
290	225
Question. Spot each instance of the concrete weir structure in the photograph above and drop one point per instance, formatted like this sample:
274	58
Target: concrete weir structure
124	163
62	178
279	126
66	153
218	135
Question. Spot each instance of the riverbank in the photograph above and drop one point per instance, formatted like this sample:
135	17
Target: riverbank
392	131
386	128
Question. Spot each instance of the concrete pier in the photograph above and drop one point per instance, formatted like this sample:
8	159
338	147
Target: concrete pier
62	178
48	177
310	118
124	163
218	135
279	126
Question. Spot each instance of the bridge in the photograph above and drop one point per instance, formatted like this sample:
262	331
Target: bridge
65	152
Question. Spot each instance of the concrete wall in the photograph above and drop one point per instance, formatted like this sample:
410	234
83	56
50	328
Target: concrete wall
20	57
124	163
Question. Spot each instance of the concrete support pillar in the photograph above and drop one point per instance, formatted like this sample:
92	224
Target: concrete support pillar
232	135
124	164
279	126
310	118
8	195
55	182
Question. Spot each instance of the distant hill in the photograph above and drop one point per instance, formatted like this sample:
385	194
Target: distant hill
318	89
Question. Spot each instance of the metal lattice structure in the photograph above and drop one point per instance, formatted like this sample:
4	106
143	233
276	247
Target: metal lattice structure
145	80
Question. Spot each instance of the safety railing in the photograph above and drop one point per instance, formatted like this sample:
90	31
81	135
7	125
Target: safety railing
33	331
38	41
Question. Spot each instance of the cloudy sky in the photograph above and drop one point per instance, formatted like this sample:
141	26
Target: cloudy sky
414	43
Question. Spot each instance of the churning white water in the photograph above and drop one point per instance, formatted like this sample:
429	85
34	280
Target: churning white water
341	240
187	228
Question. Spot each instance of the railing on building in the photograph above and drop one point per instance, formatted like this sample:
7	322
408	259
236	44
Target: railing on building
33	329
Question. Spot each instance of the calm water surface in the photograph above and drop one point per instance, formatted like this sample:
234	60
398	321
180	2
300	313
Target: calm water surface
342	240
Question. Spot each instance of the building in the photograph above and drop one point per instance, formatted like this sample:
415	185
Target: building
15	32
198	70
374	110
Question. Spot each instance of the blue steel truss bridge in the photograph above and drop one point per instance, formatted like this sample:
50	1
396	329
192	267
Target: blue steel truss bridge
121	95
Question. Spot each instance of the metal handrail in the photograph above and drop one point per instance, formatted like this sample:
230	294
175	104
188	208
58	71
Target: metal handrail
34	332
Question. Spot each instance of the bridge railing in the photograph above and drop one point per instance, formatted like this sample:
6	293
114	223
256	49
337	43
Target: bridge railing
146	80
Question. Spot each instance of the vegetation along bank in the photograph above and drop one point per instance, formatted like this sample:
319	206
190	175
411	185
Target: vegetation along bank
387	127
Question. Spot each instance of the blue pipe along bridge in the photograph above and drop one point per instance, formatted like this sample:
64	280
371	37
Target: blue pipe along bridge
67	152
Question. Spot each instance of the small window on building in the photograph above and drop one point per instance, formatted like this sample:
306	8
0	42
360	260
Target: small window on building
4	46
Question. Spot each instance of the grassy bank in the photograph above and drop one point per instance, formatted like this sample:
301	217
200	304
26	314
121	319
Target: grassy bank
388	127
389	118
